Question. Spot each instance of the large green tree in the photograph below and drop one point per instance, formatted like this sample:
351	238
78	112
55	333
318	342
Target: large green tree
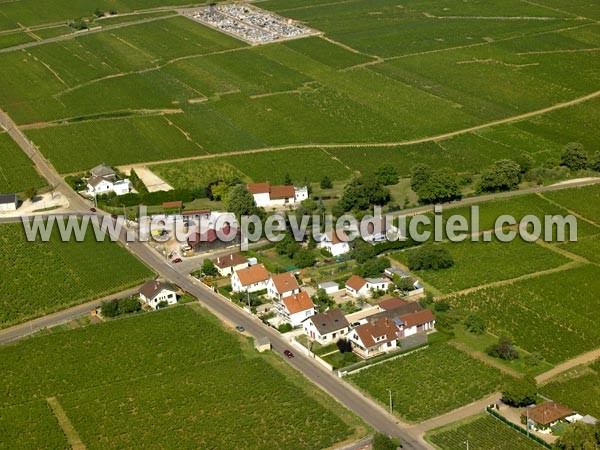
520	391
419	175
579	436
362	193
442	186
573	156
241	202
430	257
387	175
503	175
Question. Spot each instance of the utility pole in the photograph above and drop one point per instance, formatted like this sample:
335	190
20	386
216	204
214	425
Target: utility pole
467	442
391	405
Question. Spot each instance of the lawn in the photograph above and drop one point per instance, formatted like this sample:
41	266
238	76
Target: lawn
554	315
43	277
111	402
482	431
481	263
17	172
429	382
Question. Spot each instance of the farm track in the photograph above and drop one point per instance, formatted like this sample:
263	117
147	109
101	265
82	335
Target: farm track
66	425
439	137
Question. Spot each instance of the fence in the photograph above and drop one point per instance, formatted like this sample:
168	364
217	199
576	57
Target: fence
518	428
355	368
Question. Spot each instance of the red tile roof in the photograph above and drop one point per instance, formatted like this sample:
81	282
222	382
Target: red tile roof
259	188
252	275
356	282
392	303
280	192
382	327
285	282
169	205
297	303
231	260
548	412
418	318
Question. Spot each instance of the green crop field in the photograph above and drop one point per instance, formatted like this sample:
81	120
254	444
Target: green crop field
482	431
554	314
113	379
384	71
429	382
17	172
480	263
43	277
578	388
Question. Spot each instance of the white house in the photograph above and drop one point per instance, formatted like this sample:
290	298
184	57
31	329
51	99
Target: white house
266	195
411	324
8	202
330	287
295	309
228	264
100	185
374	338
154	292
327	327
282	285
334	242
362	287
250	279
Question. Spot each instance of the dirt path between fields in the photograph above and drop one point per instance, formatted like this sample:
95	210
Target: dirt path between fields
485	359
61	416
584	358
439	137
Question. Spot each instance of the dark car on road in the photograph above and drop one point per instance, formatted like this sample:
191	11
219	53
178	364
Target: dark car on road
93	209
177	260
288	353
240	328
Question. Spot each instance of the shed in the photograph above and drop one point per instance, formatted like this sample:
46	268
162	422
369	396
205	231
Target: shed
262	344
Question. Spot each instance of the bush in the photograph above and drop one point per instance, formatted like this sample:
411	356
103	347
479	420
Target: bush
504	349
430	257
387	175
475	324
285	327
304	258
208	268
373	267
326	183
503	175
344	346
109	309
384	442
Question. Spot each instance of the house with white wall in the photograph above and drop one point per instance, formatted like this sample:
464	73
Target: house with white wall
266	195
327	327
335	242
228	264
100	186
8	202
250	279
282	285
358	286
296	308
374	338
155	292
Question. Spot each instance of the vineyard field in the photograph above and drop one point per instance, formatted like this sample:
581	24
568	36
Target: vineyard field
554	315
579	389
44	277
482	431
171	378
17	173
480	263
429	382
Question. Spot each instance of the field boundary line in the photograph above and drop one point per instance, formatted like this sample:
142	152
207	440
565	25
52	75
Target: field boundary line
576	214
65	424
439	137
480	356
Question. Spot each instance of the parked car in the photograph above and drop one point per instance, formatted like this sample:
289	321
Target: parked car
92	209
288	353
240	328
177	260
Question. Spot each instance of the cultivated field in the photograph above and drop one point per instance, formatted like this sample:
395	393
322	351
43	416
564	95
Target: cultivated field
429	382
384	72
17	172
43	277
112	384
482	431
579	389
